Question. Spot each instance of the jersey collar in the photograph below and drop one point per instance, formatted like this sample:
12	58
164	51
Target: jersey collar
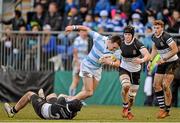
130	42
159	35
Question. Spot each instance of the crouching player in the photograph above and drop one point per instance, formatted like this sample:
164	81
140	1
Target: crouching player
49	108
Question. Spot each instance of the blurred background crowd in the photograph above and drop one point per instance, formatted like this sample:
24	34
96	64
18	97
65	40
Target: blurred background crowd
100	15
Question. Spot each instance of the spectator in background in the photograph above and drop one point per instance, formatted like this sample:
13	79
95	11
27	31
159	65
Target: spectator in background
79	53
68	5
176	5
31	49
72	18
136	23
38	16
48	45
83	5
104	21
89	22
16	21
102	5
137	6
124	6
96	21
174	26
118	22
156	6
150	21
45	3
6	43
18	48
165	16
53	18
86	6
147	41
61	6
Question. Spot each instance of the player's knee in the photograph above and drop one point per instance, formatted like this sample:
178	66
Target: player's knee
126	87
125	84
166	87
89	93
157	86
133	91
29	94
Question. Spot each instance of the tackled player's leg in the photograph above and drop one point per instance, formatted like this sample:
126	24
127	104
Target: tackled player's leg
11	111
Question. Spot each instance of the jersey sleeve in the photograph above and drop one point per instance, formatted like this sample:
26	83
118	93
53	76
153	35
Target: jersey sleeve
168	38
139	45
96	36
118	54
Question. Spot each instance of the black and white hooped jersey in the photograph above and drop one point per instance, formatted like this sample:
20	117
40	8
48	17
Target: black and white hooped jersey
129	52
162	43
57	111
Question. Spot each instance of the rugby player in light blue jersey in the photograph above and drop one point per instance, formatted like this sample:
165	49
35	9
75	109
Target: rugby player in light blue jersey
91	67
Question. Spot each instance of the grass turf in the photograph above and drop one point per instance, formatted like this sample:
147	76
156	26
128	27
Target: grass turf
96	114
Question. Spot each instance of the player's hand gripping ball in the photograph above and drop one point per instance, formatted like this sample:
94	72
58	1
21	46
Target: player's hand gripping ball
108	56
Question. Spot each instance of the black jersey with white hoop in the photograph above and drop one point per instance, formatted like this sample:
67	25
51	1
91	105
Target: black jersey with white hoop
129	52
162	43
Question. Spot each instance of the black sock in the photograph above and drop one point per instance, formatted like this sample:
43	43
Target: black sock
168	108
125	105
13	110
160	99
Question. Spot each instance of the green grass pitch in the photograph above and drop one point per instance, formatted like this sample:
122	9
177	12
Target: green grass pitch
94	113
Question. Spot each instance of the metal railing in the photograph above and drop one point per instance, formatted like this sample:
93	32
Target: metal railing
40	51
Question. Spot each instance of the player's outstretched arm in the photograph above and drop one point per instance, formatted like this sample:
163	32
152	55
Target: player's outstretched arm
76	28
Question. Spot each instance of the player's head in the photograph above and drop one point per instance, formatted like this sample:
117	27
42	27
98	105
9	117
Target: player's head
83	34
17	13
75	105
114	42
158	26
128	33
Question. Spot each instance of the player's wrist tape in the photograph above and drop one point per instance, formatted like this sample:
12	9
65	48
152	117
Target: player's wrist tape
75	28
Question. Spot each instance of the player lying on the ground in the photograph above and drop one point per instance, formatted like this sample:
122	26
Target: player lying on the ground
49	108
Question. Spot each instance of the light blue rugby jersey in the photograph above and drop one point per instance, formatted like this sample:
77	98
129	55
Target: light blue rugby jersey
99	48
82	46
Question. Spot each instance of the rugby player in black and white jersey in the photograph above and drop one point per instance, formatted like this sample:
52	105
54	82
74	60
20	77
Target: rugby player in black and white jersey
49	108
133	55
167	48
